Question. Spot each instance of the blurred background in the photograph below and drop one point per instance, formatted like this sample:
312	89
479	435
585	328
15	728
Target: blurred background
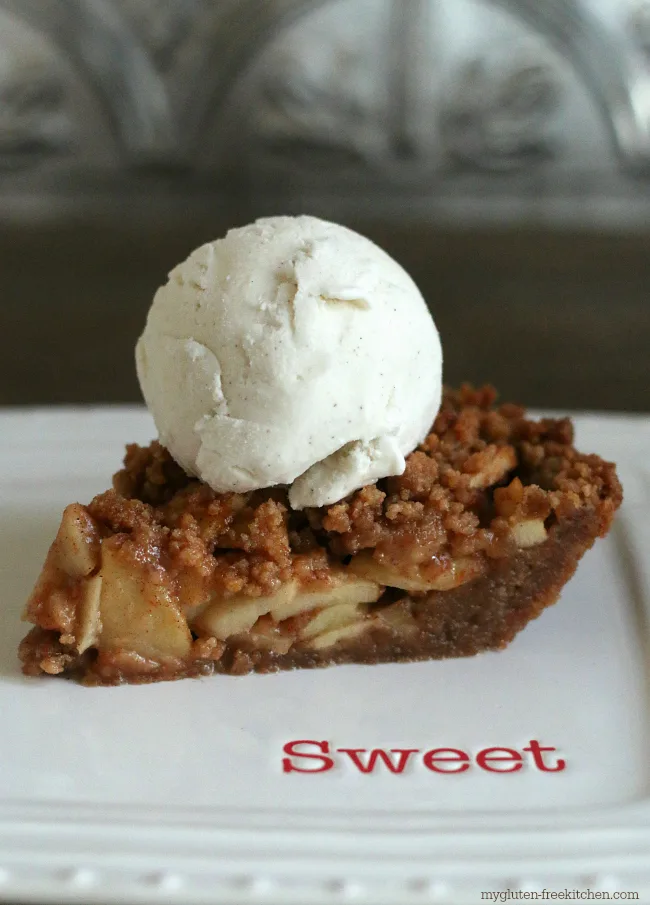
499	149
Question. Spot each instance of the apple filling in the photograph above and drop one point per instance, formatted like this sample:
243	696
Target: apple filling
102	593
328	605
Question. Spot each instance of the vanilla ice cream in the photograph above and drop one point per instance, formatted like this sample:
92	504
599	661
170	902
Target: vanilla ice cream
292	351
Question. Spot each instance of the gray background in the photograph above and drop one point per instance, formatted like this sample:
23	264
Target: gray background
500	150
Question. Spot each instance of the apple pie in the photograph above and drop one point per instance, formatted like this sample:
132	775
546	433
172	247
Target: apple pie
163	578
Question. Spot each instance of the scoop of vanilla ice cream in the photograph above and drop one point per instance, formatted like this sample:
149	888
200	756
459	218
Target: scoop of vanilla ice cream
291	351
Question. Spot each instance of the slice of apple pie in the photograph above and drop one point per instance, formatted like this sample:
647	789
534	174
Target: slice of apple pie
162	578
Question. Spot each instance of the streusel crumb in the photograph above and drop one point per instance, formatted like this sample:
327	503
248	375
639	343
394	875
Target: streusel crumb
481	470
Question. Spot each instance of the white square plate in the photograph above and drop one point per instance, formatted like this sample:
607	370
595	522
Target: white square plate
175	792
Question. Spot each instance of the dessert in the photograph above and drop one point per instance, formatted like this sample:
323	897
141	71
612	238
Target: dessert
440	535
292	351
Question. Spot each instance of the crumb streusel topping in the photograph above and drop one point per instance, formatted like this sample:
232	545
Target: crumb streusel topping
480	470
